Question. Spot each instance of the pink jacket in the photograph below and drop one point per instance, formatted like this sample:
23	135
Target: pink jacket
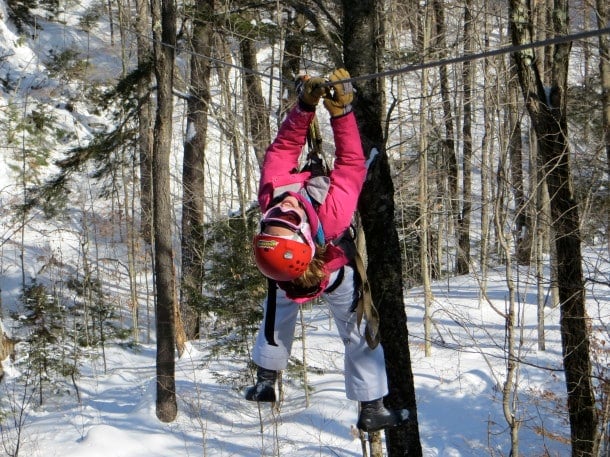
279	173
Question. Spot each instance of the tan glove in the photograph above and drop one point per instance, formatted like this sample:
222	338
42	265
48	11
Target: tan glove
310	89
339	102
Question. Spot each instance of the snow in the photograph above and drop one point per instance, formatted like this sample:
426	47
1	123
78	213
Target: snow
458	390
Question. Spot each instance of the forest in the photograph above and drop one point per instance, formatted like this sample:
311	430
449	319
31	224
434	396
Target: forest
134	137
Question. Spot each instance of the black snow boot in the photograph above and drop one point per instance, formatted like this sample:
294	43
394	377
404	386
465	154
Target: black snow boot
375	416
264	389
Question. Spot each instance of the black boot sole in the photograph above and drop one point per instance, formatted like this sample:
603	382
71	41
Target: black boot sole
261	393
397	418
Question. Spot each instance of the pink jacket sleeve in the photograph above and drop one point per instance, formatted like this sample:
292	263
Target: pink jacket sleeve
346	177
282	156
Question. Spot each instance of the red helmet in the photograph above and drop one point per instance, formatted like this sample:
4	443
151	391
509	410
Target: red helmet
280	258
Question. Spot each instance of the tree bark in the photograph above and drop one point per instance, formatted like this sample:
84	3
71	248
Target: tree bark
603	14
487	150
145	118
463	254
424	213
363	43
515	154
510	385
450	163
547	110
164	34
258	116
193	175
291	61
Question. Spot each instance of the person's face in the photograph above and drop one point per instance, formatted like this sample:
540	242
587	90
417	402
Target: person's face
288	204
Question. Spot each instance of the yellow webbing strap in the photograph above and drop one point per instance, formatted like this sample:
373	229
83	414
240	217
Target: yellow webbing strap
366	307
314	138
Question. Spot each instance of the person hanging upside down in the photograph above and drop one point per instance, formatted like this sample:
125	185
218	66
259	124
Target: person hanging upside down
303	250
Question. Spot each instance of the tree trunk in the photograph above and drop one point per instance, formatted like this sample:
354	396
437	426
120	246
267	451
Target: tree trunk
515	154
164	14
375	444
291	61
603	15
145	118
363	44
145	130
424	109
510	386
193	180
487	151
463	254
260	131
541	224
547	110
450	164
131	242
305	366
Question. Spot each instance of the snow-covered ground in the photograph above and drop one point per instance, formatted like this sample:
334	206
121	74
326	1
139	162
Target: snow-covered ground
458	393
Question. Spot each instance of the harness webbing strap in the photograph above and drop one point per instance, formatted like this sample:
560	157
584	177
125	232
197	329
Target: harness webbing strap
270	312
365	307
337	282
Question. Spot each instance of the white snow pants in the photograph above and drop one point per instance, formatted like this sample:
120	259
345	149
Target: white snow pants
365	375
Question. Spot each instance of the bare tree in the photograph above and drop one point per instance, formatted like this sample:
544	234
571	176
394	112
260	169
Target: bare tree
193	181
291	60
255	108
547	110
515	155
603	15
490	97
449	159
164	38
363	42
145	116
423	194
510	385
463	254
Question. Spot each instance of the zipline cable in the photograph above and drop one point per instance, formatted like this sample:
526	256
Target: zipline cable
482	55
417	66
